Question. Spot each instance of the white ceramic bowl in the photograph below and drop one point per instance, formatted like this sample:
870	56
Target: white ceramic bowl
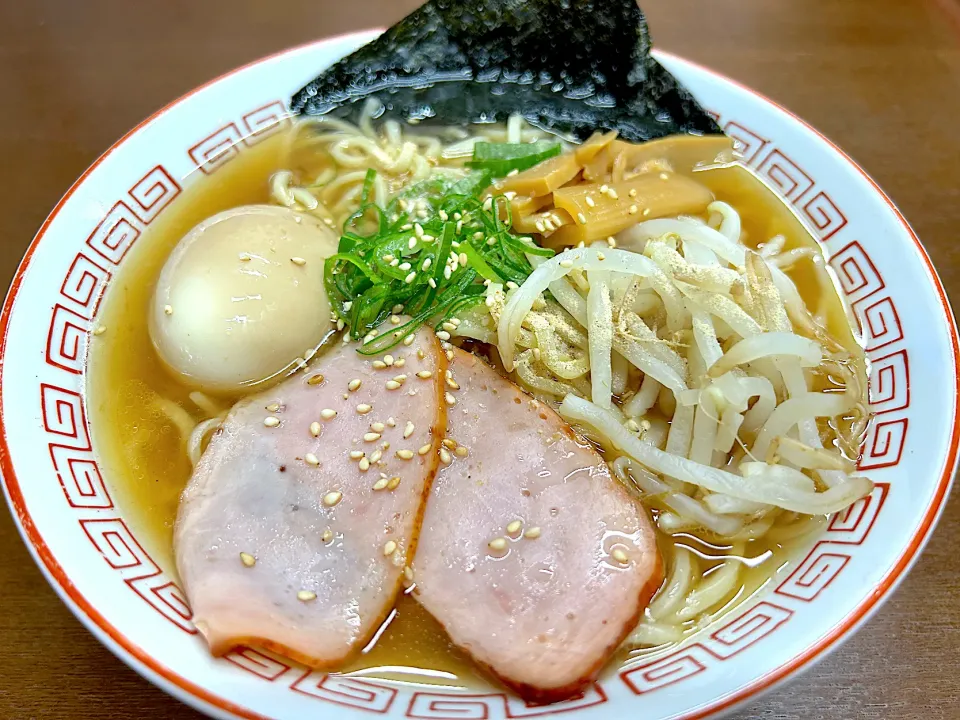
88	548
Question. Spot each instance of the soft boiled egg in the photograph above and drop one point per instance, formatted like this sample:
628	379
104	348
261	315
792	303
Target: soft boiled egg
241	297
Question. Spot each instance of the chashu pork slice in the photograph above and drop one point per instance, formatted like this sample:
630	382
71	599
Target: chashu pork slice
533	558
299	521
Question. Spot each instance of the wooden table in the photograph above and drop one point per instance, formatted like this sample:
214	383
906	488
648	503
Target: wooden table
880	77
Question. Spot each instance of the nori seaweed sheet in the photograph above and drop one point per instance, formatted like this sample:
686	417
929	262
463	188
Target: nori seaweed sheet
569	66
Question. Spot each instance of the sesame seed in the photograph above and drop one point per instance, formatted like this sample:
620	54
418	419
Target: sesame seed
590	201
377	454
298	261
612	194
566	263
443	215
394	262
328	413
604	188
634	209
408	340
664	176
418	230
311	459
447	272
306	596
378	364
411	243
380	484
646	211
424	449
378	427
391	422
426	264
432	283
315	429
445	456
364	464
601	257
168	309
371	436
463	259
620	556
408	574
404	266
332	498
612	241
273	407
364	408
451	400
424	374
532	533
410	278
633	192
395	319
443	335
389	548
405	454
498	544
449	443
356	454
244	257
540	226
400	378
99	330
393	482
449	354
461	451
513	529
452	383
353	385
408	429
327	535
271	421
247	559
392	385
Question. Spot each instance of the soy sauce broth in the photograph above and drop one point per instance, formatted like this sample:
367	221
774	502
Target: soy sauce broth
142	454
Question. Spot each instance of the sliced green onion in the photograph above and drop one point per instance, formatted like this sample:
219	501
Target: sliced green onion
431	225
502	158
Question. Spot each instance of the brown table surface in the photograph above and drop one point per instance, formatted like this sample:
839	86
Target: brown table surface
880	77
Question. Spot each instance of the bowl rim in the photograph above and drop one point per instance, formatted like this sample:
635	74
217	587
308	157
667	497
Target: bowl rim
189	692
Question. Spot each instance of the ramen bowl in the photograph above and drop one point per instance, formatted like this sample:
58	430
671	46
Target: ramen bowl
94	550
